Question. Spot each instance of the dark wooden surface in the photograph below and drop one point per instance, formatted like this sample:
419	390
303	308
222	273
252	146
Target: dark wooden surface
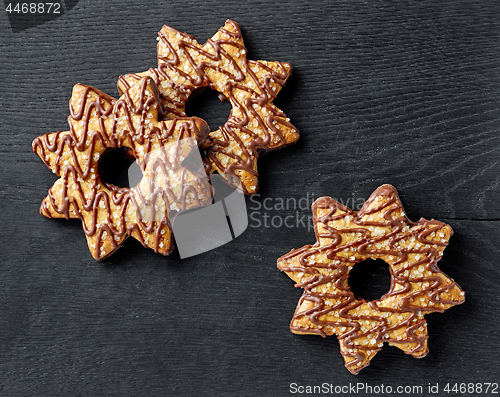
404	93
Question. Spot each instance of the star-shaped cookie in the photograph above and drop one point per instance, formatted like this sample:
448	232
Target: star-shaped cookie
110	214
345	237
255	125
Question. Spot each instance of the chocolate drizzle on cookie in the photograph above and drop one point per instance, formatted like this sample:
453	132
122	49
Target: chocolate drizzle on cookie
380	229
255	125
110	214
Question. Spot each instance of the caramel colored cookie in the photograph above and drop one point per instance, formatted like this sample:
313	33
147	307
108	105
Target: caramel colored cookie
382	230
255	125
109	214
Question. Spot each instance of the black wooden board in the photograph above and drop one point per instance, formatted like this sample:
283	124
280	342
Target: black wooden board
405	93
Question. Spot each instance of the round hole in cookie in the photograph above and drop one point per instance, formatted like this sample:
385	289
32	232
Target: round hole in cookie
370	279
207	104
114	167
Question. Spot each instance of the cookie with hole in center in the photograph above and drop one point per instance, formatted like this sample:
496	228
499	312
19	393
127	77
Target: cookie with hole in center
255	125
380	230
110	214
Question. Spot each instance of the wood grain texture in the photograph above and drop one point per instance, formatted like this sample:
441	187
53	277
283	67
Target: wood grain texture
405	93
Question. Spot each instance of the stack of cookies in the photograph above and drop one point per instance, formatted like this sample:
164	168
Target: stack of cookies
149	120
